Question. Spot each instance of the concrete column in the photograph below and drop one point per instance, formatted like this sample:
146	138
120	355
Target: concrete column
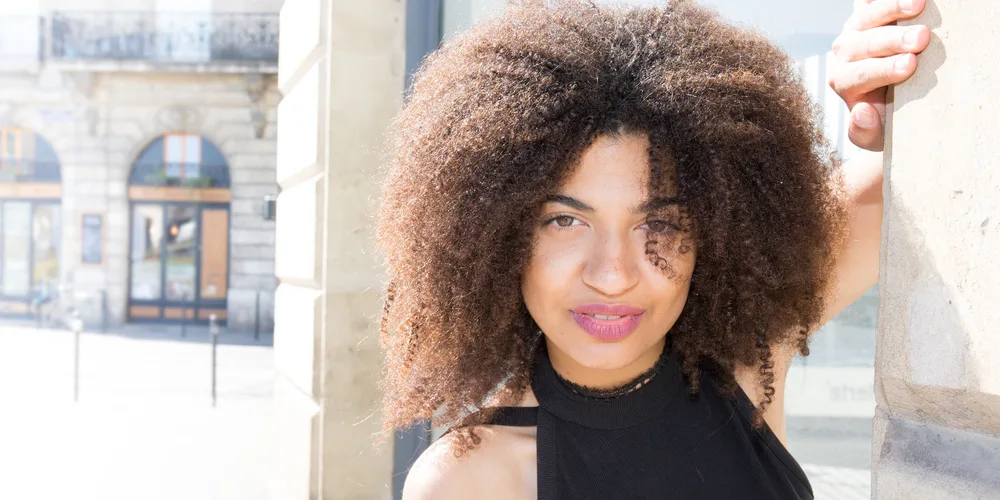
342	74
937	423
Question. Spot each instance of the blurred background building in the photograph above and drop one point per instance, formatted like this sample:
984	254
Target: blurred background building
137	142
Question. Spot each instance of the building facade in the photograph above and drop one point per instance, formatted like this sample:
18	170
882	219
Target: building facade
137	144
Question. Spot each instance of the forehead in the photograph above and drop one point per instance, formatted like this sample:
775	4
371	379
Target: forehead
617	167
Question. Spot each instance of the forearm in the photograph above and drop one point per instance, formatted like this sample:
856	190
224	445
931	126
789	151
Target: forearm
857	259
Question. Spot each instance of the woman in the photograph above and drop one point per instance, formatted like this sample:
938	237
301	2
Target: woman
607	233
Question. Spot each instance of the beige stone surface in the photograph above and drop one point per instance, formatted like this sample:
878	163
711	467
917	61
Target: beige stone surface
938	359
300	245
355	465
342	77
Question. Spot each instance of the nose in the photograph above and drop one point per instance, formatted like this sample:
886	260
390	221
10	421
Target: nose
612	268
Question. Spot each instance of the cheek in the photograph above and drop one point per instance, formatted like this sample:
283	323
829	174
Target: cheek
668	278
672	255
550	273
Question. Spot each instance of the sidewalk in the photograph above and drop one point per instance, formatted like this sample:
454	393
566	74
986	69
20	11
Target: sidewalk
145	428
90	453
839	483
133	366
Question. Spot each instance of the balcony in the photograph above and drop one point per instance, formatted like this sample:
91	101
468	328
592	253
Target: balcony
165	41
180	174
25	170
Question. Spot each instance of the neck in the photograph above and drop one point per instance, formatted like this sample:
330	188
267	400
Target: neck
600	378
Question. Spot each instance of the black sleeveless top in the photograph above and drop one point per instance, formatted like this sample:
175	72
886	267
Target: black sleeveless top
656	442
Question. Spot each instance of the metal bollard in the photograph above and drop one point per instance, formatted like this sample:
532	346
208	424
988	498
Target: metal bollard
104	311
256	319
213	330
184	316
76	324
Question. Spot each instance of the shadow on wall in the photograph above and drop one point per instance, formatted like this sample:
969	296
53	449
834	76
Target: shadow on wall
927	376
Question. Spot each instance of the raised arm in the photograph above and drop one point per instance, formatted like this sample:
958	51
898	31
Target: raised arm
871	54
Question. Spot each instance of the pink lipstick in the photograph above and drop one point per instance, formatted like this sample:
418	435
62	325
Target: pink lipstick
607	322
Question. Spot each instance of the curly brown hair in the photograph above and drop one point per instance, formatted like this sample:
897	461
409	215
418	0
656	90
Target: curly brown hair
494	123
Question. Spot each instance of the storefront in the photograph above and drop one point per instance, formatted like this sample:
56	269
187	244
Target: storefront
30	219
179	192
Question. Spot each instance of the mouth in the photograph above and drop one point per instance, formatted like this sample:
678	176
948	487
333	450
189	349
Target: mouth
607	323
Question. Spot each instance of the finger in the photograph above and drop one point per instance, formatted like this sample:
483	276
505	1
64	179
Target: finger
854	79
866	129
881	42
883	12
875	98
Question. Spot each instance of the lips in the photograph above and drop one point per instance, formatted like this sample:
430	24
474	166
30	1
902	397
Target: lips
607	322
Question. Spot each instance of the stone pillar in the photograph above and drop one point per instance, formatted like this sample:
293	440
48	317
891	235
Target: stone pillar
937	423
342	74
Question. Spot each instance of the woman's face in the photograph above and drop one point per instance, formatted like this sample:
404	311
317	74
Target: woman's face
604	304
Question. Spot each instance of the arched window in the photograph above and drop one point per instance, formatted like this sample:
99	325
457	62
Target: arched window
179	258
185	160
26	157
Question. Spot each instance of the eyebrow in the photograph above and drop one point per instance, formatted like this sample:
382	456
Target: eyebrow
656	204
569	201
645	208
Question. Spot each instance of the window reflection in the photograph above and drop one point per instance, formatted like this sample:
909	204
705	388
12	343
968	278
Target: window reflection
46	229
181	241
16	245
147	231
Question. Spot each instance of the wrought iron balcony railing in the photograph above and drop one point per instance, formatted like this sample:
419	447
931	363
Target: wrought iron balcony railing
26	170
191	175
172	37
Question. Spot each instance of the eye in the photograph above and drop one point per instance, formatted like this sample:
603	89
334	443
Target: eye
563	221
660	226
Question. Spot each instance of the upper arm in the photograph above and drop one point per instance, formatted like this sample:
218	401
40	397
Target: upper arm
438	474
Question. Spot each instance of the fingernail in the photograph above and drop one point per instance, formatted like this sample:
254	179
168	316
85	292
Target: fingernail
906	6
902	64
864	118
911	38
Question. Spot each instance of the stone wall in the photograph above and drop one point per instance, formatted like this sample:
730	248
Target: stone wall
342	73
937	422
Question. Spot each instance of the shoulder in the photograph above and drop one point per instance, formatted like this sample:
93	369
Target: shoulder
502	463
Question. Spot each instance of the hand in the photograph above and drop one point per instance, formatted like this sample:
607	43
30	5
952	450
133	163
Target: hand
870	56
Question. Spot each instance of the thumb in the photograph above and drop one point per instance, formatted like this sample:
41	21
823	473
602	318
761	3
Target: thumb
866	129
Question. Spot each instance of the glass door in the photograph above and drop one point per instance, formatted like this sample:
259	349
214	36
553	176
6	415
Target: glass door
180	255
46	232
180	268
16	268
30	242
147	243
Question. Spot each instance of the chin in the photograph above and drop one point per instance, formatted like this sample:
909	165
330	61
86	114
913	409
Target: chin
599	355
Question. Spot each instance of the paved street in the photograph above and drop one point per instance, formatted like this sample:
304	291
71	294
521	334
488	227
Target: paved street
135	367
154	454
838	483
145	423
144	426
